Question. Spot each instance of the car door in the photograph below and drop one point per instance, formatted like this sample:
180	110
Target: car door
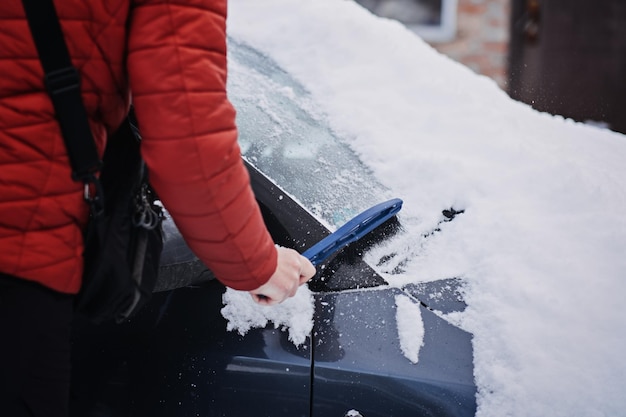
177	357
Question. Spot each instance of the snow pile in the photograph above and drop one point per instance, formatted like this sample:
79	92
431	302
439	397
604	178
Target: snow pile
294	315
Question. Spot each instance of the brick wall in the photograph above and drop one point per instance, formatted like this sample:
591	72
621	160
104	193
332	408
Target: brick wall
482	38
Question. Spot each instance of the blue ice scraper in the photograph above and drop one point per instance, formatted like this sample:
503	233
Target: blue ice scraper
356	228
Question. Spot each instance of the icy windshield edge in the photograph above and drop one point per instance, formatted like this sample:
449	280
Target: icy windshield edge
282	134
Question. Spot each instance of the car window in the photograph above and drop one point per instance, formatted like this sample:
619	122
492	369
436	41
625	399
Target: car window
282	134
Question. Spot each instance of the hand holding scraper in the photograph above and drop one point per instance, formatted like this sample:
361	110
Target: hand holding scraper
356	228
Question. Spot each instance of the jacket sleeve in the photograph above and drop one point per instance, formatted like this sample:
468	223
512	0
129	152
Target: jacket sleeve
177	71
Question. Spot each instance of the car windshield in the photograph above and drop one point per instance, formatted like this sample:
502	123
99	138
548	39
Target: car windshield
282	135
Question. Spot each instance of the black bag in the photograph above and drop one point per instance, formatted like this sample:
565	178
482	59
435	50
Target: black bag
124	239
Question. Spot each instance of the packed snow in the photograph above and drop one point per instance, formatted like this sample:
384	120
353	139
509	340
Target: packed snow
293	315
540	245
410	327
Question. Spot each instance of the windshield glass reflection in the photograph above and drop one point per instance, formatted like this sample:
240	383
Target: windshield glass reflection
282	134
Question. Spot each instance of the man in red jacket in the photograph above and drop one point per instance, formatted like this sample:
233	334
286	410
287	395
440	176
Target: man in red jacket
172	56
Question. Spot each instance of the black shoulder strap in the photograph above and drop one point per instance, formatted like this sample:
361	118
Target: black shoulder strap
62	81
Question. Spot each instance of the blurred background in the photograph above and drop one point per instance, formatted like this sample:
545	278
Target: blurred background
565	57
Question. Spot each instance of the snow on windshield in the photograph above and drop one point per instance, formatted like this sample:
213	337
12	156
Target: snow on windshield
280	132
540	245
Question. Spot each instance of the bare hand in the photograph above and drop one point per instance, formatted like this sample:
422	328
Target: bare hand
292	270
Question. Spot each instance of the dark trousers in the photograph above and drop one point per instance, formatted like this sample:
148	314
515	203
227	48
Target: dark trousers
35	331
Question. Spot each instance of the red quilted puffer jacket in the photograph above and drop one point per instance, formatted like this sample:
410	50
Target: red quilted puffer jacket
172	55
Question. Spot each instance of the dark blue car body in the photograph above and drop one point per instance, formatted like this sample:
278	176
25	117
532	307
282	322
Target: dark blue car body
176	357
